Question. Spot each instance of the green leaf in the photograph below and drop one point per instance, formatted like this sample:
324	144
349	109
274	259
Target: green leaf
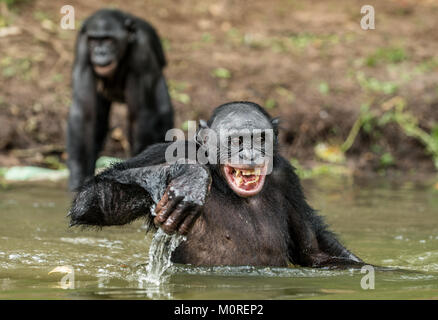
270	103
324	88
386	159
221	73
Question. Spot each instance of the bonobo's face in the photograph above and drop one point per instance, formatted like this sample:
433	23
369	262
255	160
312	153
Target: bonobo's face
246	145
107	41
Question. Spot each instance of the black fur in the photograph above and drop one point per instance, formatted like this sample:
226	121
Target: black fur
272	228
137	80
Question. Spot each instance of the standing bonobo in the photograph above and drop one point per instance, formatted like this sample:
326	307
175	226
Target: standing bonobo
118	58
244	206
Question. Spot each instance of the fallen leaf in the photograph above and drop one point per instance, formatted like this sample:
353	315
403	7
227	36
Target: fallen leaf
9	31
330	153
62	269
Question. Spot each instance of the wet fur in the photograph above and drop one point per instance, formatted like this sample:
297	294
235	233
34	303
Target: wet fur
273	228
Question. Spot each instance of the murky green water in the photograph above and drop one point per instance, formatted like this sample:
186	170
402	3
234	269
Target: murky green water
387	223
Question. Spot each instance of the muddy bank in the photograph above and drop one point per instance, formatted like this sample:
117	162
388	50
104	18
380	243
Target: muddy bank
308	62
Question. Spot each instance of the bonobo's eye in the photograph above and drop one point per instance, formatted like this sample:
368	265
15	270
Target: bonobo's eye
99	41
92	42
107	41
237	141
259	139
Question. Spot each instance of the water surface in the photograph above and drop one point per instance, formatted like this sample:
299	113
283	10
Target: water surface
387	223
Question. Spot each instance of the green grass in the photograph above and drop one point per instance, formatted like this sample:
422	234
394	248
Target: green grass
386	55
176	91
12	67
207	37
165	42
270	103
221	73
12	3
282	44
283	92
324	88
386	160
321	169
375	85
428	65
392	111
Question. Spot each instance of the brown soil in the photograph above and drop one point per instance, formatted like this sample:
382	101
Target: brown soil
298	57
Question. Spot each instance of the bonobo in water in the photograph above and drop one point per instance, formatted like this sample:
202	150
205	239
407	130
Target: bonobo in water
118	58
244	206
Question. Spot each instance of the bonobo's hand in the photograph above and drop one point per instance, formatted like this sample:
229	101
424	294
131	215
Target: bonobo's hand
183	200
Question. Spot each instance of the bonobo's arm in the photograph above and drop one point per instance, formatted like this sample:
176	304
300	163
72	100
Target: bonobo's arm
82	117
120	195
312	244
331	253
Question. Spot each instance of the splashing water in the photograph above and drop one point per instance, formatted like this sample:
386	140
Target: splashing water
160	252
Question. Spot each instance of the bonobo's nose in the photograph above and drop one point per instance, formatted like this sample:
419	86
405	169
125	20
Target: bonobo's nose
251	157
247	155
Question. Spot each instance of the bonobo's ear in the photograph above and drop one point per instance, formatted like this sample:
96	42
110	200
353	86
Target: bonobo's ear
203	124
129	24
83	28
130	27
199	138
275	125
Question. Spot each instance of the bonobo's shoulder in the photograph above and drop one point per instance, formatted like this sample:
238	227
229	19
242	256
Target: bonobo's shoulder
143	25
281	164
148	37
156	154
282	170
152	155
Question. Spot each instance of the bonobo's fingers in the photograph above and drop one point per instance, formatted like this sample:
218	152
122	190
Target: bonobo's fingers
165	207
321	260
181	211
162	203
179	207
187	224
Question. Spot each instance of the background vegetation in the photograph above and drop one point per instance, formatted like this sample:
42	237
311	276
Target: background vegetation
350	100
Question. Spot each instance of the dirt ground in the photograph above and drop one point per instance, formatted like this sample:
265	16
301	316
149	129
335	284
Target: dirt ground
308	62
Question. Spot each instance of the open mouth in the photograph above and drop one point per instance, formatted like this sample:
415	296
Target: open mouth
105	70
246	181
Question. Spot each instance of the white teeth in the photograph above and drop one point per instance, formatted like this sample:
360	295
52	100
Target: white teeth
241	176
251	172
253	181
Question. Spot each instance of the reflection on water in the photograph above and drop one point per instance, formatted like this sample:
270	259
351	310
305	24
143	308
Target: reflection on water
393	224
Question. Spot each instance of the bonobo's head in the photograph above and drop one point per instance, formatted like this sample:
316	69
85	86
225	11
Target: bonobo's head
243	146
108	35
